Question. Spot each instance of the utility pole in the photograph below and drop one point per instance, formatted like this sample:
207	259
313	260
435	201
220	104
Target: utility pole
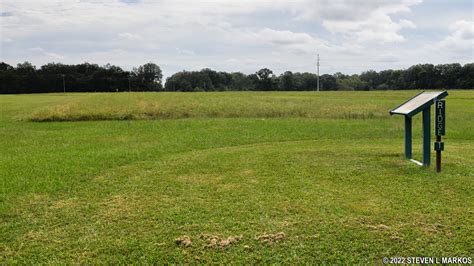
64	83
318	72
129	84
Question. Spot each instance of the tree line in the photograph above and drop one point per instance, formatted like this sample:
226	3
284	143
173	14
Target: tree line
56	77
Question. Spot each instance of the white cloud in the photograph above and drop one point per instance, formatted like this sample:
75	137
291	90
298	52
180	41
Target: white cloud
184	51
460	41
129	36
231	35
36	49
284	37
365	21
54	55
461	37
403	23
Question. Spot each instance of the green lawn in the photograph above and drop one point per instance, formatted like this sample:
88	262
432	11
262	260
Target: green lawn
247	177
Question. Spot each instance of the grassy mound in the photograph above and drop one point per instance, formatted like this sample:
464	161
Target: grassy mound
145	106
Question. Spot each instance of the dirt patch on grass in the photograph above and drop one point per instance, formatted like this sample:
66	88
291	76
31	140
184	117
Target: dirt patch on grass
219	242
119	206
35	235
64	204
379	227
248	172
288	224
271	238
430	228
393	232
183	241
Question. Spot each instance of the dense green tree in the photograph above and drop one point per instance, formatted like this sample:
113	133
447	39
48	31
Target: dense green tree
286	82
466	77
240	81
149	76
352	82
328	82
25	68
5	67
371	78
266	79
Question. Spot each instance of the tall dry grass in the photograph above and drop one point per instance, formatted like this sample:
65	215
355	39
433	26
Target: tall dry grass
142	106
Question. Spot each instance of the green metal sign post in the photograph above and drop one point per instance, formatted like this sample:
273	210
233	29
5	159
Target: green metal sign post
408	138
422	103
427	136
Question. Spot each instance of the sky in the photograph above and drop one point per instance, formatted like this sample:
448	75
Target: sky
239	35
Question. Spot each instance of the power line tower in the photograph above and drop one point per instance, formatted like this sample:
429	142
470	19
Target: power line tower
318	72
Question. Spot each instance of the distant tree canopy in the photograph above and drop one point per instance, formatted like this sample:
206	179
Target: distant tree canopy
25	78
426	76
55	77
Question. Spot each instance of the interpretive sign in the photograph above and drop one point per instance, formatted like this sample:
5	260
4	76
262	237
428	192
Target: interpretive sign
422	103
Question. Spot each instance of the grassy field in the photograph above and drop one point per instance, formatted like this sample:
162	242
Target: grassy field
228	177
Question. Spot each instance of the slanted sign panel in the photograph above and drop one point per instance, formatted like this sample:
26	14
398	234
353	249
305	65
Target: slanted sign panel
440	118
418	103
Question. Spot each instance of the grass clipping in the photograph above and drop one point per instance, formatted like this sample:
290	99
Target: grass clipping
211	241
271	238
219	242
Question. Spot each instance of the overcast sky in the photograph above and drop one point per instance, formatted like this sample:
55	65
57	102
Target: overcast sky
238	35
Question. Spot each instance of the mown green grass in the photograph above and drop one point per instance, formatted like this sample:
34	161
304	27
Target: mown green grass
326	169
